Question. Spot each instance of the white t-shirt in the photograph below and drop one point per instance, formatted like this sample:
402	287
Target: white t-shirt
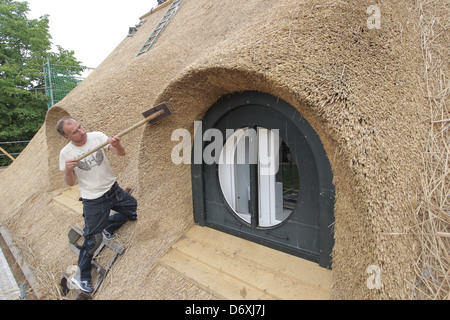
94	174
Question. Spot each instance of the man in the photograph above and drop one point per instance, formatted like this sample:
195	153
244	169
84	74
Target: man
99	190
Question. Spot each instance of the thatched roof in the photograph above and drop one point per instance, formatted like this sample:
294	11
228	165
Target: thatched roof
359	88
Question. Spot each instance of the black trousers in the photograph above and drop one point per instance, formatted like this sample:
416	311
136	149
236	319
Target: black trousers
97	218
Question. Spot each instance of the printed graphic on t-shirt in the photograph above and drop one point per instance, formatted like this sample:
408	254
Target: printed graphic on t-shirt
94	160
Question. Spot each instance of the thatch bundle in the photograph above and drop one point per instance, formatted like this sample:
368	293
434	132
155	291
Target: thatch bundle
361	90
432	213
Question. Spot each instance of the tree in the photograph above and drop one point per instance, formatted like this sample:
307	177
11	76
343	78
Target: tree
24	48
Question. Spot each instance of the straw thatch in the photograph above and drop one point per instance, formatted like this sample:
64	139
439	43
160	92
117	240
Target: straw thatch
363	91
432	226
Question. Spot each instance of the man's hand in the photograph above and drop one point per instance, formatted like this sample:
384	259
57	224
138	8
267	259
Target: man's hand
115	146
71	164
69	174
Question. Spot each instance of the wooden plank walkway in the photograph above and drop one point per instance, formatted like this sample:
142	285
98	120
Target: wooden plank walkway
232	268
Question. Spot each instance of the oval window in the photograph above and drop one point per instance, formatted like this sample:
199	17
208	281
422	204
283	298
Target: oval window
258	176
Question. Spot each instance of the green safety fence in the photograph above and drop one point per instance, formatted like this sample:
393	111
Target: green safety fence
60	80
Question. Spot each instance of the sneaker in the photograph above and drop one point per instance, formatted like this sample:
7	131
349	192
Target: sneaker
83	285
107	235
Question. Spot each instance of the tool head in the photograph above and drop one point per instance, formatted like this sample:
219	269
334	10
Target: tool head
161	108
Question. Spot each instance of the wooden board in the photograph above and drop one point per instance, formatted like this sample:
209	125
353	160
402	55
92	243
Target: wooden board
233	268
161	6
212	280
26	270
69	199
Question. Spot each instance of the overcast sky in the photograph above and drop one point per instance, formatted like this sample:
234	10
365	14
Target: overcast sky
91	28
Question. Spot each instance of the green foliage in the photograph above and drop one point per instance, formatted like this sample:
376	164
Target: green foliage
24	48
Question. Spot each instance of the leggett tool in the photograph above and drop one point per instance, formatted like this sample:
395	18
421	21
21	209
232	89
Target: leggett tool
152	115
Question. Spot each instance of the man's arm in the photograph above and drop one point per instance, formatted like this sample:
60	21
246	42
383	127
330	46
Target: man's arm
115	146
69	174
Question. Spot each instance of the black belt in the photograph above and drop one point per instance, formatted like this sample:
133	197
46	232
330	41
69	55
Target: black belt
112	190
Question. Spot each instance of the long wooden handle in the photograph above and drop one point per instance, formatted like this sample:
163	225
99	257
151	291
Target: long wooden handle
7	154
140	123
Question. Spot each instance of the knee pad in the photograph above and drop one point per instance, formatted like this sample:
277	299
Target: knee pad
93	242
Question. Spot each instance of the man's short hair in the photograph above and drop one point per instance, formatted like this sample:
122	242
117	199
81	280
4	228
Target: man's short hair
59	125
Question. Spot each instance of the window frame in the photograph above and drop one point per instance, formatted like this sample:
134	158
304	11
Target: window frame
315	243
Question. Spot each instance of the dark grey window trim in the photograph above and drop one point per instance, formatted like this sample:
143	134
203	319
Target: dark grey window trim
257	108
